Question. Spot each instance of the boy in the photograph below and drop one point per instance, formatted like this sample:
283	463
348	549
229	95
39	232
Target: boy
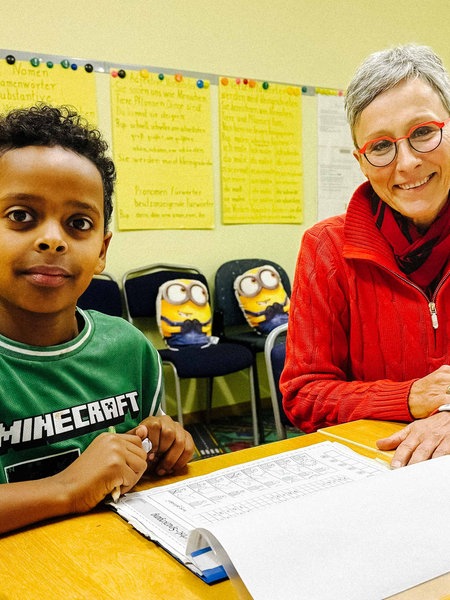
66	375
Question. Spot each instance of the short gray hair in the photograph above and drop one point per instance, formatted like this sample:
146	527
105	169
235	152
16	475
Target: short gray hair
383	70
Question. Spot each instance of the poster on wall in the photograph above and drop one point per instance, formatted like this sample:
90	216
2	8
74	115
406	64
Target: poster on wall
261	152
338	171
161	127
25	83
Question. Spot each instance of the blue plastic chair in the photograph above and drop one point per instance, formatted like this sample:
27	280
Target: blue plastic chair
140	287
103	294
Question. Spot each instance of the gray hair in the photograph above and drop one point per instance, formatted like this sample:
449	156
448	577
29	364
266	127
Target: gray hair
383	70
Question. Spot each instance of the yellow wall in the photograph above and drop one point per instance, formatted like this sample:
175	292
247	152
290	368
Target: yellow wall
309	42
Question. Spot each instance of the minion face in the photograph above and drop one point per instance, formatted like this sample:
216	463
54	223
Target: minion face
184	311
261	295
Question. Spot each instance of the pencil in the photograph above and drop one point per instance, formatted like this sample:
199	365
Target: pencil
115	494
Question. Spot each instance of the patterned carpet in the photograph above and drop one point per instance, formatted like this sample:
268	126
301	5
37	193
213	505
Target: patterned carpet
231	434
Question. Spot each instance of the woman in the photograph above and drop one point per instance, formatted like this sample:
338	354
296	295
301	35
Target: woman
368	330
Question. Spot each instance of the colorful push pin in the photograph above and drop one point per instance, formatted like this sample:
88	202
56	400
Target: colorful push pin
144	73
206	84
224	81
178	77
296	91
245	81
34	62
65	64
74	66
49	64
114	73
265	85
252	83
10	59
304	89
200	84
161	76
121	73
238	81
88	68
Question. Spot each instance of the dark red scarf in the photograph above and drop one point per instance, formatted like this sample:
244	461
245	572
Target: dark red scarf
421	256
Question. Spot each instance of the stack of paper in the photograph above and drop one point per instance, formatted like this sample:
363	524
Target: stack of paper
320	522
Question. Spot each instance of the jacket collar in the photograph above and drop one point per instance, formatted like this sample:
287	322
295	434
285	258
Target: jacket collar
362	239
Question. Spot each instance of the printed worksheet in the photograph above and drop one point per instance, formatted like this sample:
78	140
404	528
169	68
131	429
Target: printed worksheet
167	514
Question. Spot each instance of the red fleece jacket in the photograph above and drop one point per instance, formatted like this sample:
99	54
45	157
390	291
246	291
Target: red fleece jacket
360	332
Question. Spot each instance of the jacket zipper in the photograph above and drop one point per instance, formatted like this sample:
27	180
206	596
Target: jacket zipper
434	318
431	303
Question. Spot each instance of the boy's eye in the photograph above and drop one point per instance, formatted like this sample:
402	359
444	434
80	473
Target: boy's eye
81	224
20	216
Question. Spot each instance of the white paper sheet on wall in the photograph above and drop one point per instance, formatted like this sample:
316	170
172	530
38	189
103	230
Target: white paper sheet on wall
338	172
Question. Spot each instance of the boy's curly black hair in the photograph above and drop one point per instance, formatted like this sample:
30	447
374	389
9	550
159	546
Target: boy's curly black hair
44	125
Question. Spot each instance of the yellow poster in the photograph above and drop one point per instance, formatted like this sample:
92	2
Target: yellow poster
163	151
261	150
22	85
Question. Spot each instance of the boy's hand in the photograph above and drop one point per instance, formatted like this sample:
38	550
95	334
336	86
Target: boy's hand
111	460
172	446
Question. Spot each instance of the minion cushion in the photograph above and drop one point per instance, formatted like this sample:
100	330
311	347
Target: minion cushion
262	298
183	313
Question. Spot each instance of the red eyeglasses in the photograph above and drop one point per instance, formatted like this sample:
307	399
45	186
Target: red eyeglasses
424	137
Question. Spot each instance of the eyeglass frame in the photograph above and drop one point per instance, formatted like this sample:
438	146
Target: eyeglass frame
440	124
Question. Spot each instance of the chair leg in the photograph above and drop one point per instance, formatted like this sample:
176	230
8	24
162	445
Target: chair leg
178	395
253	403
259	420
210	384
281	431
176	380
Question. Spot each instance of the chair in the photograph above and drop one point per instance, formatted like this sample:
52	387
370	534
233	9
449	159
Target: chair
230	323
275	355
103	294
140	288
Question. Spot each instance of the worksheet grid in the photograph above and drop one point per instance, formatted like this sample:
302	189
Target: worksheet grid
276	497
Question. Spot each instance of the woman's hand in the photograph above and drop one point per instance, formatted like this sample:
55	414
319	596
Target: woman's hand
111	460
172	446
420	440
428	393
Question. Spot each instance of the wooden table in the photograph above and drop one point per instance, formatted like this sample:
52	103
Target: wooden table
99	556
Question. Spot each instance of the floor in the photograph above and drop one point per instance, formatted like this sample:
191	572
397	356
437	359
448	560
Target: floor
231	434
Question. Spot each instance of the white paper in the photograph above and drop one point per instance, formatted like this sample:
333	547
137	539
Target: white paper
168	513
366	540
338	171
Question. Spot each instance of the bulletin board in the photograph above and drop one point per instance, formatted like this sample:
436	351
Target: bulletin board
163	151
261	152
164	125
24	83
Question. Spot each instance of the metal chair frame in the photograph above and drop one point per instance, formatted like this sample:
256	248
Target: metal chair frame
271	342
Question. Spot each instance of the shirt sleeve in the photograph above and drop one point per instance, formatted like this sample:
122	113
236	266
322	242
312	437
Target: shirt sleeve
153	381
317	386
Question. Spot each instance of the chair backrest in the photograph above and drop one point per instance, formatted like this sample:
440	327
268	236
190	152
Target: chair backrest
225	302
103	294
141	285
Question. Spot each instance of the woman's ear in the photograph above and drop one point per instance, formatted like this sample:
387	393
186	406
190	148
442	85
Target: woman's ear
362	163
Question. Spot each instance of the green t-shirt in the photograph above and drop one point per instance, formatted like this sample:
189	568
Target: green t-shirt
56	399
